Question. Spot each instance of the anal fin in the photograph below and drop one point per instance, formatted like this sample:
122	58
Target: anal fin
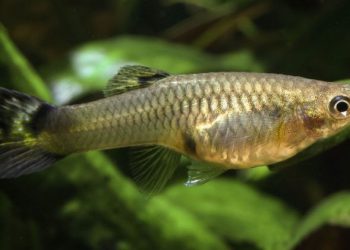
200	173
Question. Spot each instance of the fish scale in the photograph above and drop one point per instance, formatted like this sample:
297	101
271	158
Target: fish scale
235	120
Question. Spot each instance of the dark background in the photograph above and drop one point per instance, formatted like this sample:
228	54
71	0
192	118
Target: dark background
86	203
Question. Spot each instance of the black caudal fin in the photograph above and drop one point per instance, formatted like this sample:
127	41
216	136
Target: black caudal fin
20	160
21	117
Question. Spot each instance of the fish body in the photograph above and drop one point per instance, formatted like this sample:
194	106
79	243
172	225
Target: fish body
233	120
238	120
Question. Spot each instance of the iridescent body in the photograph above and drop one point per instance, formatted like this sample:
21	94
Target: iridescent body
233	120
237	120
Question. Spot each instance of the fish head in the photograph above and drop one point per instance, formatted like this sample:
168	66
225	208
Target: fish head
328	112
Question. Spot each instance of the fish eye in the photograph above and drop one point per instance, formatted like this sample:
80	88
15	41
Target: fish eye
340	106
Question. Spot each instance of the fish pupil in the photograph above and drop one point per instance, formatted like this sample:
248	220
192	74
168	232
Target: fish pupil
342	106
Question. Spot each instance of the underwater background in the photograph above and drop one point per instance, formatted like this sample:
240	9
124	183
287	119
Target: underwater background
65	52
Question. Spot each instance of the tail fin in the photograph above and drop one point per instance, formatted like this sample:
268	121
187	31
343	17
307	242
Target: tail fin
21	118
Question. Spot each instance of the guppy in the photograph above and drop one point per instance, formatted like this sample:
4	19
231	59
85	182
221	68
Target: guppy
229	120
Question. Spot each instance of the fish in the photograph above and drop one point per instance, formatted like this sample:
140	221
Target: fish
226	120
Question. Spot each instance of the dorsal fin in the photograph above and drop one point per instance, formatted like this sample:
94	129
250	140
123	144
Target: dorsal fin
153	166
133	77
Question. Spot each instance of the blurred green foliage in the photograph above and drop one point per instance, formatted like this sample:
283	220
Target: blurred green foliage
87	202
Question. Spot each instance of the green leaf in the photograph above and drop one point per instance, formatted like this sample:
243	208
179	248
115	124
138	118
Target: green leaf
254	174
335	210
109	208
24	77
93	64
238	212
214	4
242	60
